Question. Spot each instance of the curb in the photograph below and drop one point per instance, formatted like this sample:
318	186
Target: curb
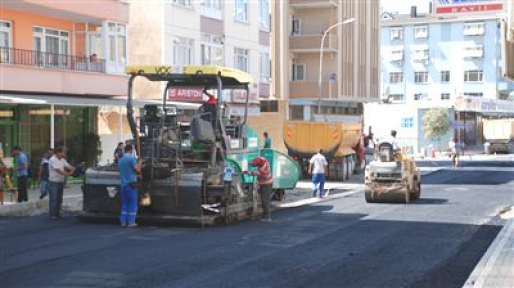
23	209
484	268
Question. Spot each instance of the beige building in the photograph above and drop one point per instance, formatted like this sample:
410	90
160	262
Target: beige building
350	66
210	32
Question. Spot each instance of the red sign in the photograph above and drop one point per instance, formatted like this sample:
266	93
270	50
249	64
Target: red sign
188	94
469	8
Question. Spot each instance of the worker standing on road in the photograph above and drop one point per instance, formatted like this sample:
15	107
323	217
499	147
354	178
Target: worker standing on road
267	141
317	167
58	169
265	181
455	152
128	173
393	141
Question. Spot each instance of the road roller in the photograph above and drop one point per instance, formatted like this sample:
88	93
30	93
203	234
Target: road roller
391	177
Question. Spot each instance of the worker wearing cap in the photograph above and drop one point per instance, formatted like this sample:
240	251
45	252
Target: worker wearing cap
265	181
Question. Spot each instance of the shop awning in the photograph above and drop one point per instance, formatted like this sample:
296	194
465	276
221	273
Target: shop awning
36	99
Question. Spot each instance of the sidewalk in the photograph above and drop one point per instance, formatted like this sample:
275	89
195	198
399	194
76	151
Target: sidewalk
35	206
496	268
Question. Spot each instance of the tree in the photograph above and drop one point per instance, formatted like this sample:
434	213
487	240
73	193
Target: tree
436	124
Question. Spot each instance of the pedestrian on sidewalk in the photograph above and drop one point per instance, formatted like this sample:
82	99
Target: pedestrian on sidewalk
44	173
118	152
23	174
58	169
129	195
267	141
317	168
265	182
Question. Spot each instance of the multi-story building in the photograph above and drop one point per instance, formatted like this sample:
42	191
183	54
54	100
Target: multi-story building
450	57
59	60
233	33
349	54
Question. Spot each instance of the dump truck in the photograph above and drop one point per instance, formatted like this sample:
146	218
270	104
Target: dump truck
303	139
192	171
499	135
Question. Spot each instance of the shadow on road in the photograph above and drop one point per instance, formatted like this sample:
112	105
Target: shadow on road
456	177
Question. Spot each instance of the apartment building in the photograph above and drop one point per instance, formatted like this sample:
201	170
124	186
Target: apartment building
231	33
349	55
59	60
450	57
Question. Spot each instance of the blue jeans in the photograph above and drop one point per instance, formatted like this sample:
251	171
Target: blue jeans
319	182
44	189
56	190
128	205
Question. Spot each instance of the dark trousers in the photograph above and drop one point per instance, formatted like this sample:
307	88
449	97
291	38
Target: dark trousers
22	189
265	191
56	191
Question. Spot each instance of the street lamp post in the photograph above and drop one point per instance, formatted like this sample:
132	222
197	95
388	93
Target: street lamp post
347	21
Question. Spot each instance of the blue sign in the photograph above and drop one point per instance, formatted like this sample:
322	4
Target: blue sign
459	125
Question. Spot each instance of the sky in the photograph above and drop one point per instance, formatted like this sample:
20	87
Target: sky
403	6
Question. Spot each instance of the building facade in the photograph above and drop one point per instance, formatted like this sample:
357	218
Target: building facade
58	61
440	60
347	62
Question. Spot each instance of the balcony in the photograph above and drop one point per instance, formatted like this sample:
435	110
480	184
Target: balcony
38	72
311	43
50	60
310	89
308	4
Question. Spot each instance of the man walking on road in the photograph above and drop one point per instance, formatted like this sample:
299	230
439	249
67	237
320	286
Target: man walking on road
317	167
23	174
58	169
265	181
128	173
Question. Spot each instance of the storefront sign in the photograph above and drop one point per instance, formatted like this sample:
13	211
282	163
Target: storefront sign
239	96
477	104
467	6
186	94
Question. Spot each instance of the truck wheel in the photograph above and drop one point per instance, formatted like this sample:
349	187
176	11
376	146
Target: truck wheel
368	195
347	167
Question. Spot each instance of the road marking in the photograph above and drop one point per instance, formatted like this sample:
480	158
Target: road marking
456	189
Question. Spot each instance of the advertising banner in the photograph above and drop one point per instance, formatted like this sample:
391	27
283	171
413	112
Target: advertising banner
468	6
185	94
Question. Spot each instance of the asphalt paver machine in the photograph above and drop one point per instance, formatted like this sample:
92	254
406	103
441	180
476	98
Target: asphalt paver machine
192	164
391	177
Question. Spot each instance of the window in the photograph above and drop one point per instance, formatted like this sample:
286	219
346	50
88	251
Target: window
241	59
296	26
419	55
420	32
296	112
212	9
407	122
5	40
269	106
212	4
396	77
396	33
212	50
396	55
52	42
476	51
397	97
117	43
445	76
445	96
421	96
474	29
241	10
264	16
182	51
299	72
421	77
185	3
265	67
473	76
474	94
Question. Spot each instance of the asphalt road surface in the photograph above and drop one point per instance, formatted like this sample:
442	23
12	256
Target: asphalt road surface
434	242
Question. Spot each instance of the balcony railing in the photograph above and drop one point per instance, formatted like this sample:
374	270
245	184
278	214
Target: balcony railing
305	4
51	60
311	43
